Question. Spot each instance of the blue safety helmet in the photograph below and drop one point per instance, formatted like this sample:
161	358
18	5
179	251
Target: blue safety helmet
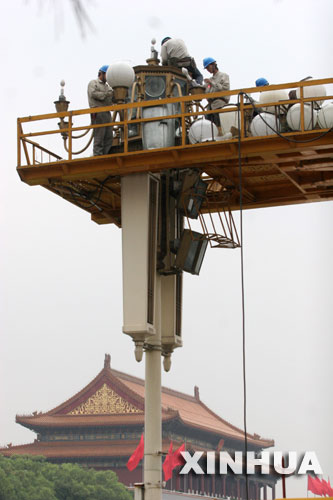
165	39
261	82
104	68
207	61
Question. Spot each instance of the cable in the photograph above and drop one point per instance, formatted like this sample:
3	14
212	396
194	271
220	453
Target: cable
243	297
278	133
76	137
87	196
101	187
80	196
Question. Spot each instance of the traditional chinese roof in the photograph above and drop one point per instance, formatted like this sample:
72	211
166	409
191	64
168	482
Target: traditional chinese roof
80	449
76	449
193	412
114	398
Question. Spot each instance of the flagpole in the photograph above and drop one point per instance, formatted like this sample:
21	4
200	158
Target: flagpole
185	476
283	481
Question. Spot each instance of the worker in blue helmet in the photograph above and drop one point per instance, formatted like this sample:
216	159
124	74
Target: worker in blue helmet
261	82
174	53
101	94
207	61
219	81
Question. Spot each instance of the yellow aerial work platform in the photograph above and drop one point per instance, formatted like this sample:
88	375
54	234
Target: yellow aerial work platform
278	169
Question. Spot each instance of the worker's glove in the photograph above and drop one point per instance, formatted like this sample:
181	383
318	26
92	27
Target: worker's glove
186	73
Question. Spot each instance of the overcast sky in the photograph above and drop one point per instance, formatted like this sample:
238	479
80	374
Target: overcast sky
61	290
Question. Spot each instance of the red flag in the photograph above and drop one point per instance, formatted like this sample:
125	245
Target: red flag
320	486
136	456
328	490
315	486
177	457
167	464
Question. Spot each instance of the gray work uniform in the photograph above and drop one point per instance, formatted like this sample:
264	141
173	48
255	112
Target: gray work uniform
100	94
175	53
174	50
219	81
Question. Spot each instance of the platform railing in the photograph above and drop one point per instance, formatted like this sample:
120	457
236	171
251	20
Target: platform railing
190	109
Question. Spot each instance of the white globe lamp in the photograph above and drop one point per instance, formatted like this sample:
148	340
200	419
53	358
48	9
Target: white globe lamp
228	119
120	76
202	130
312	91
272	96
325	116
294	117
264	124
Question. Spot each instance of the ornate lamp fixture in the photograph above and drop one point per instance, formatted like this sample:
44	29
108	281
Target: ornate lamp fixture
62	105
153	59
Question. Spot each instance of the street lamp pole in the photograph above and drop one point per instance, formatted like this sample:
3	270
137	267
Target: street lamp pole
153	412
142	309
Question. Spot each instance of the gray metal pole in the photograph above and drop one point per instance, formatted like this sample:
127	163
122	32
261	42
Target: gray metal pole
153	413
